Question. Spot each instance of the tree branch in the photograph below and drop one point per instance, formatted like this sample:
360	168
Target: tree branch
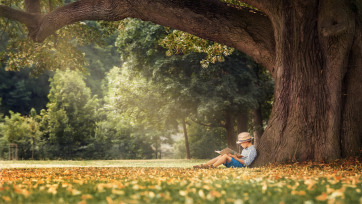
249	32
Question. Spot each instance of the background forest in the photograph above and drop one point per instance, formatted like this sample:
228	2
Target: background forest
137	97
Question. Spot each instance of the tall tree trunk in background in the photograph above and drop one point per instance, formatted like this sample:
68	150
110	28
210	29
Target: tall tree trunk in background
156	148
186	139
32	152
241	124
230	131
258	125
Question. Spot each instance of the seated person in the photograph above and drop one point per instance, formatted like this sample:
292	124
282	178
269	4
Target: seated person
229	160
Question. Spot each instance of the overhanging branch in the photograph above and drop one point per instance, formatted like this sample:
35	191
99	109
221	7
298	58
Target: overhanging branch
246	31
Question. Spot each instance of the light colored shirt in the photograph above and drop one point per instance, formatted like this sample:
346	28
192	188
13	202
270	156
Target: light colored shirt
249	155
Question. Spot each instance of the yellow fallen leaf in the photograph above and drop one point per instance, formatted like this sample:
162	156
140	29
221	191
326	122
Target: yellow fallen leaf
206	187
118	192
322	197
109	200
86	196
76	192
215	194
6	198
201	194
337	194
310	184
182	193
151	194
22	191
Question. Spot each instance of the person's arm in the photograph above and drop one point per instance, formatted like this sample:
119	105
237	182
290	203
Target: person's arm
237	159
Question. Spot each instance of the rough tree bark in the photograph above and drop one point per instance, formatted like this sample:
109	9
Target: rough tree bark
310	47
186	139
313	42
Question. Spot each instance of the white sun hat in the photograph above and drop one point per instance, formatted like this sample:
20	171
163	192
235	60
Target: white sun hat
243	137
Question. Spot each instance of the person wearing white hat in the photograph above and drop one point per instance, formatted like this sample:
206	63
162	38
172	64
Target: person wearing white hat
231	160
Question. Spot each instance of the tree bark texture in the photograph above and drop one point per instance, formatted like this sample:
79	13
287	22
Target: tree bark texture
257	125
186	139
312	49
313	43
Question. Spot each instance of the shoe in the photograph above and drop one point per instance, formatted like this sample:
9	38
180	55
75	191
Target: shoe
206	166
210	167
201	166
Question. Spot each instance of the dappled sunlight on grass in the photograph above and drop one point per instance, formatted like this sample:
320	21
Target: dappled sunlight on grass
289	183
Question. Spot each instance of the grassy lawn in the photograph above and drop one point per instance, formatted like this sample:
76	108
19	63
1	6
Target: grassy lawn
173	181
102	163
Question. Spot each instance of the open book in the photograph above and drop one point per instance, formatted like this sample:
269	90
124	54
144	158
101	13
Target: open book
227	151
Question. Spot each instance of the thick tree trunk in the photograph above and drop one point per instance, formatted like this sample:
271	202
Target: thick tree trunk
312	59
186	139
351	132
230	131
258	125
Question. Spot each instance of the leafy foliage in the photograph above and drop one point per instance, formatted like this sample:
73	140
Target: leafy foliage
127	105
186	87
23	131
56	52
178	42
72	113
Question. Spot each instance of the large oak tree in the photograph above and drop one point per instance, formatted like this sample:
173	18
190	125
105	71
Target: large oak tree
310	47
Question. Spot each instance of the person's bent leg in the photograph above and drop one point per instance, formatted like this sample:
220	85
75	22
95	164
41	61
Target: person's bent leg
212	161
224	158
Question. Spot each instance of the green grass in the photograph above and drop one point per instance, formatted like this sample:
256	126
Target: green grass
173	181
101	163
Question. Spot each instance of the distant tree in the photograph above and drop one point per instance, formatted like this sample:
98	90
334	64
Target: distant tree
15	130
33	132
132	104
14	127
72	113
